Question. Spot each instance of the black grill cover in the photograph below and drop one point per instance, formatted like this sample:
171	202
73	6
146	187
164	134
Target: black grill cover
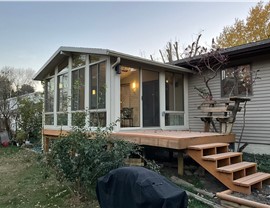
138	187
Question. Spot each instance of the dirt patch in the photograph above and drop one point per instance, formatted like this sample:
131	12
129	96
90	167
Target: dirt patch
261	196
204	180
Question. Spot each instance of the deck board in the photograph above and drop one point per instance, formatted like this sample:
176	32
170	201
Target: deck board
172	139
177	140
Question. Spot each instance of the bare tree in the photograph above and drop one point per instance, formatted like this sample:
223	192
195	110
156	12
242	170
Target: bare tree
11	81
207	65
18	77
5	105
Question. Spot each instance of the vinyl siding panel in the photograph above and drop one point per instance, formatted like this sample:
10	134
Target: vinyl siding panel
257	122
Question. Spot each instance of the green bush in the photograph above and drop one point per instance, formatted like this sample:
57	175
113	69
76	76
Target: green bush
262	160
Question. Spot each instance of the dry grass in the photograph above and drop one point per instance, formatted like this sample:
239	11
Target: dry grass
27	182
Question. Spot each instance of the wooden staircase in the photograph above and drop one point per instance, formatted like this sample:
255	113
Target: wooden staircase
228	167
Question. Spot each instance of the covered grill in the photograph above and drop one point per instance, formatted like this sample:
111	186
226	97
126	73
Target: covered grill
138	187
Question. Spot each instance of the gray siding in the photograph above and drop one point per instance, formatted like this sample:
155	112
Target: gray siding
257	127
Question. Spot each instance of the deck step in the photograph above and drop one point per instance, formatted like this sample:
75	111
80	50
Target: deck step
252	179
221	156
208	146
236	167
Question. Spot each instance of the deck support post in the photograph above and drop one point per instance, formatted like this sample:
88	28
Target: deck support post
45	144
180	166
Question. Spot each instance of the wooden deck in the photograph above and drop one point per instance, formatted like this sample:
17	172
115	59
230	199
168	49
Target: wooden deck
177	140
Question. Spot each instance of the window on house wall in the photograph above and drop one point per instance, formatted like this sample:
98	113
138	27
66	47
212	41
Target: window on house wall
49	101
63	65
236	81
174	95
98	92
93	58
77	100
62	99
78	60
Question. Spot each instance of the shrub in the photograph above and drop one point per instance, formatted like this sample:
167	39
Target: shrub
82	161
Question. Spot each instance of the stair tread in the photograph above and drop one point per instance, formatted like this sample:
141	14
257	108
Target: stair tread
252	179
206	146
221	156
236	167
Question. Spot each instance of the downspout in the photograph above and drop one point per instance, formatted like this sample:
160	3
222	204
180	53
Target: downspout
116	65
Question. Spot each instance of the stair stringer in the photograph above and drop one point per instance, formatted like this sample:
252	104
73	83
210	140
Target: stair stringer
210	166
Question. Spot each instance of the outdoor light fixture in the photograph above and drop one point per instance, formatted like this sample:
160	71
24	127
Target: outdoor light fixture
93	92
133	86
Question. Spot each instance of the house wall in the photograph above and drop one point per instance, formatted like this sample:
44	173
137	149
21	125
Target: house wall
257	122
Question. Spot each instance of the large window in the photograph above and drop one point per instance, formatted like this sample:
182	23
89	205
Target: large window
77	101
98	94
49	100
236	81
98	86
78	60
49	95
174	93
62	99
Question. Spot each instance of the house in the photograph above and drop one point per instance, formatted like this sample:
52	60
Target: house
245	64
110	85
105	85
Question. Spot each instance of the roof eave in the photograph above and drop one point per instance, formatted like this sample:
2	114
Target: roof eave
44	69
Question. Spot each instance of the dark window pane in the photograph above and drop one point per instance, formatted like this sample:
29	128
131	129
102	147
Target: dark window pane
236	81
62	89
49	95
78	60
169	81
98	119
98	86
49	119
93	87
102	85
62	119
63	65
78	119
173	119
93	59
179	92
78	87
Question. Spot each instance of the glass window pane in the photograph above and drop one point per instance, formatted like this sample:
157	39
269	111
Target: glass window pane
63	65
49	95
93	59
172	119
78	87
179	92
49	119
93	86
78	60
244	80
62	89
169	83
102	85
78	119
98	119
62	119
236	81
98	86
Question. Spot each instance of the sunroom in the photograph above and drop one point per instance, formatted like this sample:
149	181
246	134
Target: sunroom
105	86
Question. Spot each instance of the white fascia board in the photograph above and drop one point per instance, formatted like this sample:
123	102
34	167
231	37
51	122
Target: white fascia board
147	61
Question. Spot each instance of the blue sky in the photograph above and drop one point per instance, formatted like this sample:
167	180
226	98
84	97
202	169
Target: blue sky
30	32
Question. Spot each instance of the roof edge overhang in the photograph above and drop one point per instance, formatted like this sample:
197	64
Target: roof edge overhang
63	51
234	52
